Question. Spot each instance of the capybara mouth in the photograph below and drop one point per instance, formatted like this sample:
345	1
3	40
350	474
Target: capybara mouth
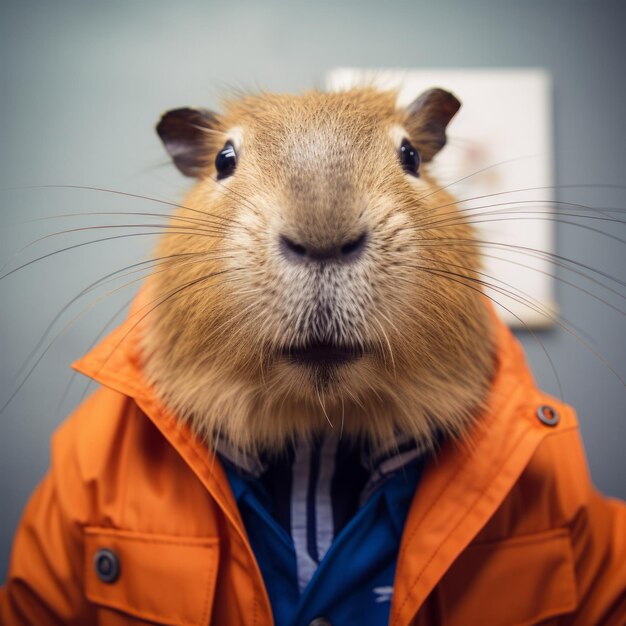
322	353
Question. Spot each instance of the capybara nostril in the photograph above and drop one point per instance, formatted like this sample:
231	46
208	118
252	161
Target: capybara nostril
290	248
354	248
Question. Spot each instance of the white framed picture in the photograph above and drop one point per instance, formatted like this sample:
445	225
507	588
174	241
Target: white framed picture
498	164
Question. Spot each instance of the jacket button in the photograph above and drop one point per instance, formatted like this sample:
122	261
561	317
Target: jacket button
320	621
547	415
107	565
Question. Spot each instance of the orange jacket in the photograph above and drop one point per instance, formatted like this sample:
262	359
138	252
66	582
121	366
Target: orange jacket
504	528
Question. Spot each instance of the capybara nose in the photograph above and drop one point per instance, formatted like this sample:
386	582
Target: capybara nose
346	251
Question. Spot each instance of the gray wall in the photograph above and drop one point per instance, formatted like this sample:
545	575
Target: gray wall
82	83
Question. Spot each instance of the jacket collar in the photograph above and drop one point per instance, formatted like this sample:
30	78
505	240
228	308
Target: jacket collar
468	481
116	363
461	487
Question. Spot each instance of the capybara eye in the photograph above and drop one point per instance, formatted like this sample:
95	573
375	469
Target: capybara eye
409	158
226	161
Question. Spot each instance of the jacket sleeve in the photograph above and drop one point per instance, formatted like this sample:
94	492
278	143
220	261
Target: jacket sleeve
599	542
45	580
597	529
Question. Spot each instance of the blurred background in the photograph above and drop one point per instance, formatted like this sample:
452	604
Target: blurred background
82	85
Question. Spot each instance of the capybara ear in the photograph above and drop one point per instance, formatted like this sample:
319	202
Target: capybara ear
427	119
184	133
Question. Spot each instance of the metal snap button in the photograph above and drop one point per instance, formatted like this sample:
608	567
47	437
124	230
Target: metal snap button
547	415
107	565
320	621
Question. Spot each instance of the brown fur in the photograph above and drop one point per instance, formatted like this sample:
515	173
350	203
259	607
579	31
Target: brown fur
320	168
